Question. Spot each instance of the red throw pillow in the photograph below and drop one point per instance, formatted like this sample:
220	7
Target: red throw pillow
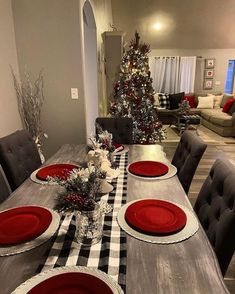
228	105
191	100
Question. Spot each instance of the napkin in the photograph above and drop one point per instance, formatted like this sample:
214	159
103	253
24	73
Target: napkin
118	149
110	172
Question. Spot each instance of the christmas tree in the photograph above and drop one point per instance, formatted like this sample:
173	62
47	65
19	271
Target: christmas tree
184	108
134	94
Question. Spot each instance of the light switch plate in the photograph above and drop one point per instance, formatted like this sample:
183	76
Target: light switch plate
74	93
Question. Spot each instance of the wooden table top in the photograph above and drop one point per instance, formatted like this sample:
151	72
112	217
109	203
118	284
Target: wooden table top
189	266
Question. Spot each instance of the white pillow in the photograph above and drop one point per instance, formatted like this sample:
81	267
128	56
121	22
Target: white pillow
206	102
156	100
217	100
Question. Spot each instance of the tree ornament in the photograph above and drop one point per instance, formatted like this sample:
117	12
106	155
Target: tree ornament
133	97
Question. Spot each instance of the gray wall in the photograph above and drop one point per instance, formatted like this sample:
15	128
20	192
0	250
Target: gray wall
9	115
221	55
103	17
48	36
186	24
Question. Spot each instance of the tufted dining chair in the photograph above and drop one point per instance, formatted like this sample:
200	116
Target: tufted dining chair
187	156
5	189
215	208
121	128
19	157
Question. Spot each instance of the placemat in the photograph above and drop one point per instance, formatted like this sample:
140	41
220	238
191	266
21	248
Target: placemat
109	255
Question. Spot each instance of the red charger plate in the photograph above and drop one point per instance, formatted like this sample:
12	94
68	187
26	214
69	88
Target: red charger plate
21	224
61	169
72	283
148	168
155	216
116	145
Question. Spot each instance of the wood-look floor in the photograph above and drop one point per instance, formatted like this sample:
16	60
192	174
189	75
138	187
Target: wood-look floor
212	152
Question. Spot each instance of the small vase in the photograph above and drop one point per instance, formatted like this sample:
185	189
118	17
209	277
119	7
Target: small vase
89	226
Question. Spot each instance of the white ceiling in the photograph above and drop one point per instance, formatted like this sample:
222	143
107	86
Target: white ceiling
186	24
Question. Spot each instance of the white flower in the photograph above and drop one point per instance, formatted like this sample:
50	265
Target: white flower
95	144
84	174
105	136
74	174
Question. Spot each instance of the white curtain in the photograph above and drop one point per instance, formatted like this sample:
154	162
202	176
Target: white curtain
187	72
173	74
165	73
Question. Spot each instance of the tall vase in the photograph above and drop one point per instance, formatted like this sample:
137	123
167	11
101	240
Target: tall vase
89	226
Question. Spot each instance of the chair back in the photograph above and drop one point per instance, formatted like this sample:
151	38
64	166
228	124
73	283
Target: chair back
19	157
187	156
121	128
215	207
5	189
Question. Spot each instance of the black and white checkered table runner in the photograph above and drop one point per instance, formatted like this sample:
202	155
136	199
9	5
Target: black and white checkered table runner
109	255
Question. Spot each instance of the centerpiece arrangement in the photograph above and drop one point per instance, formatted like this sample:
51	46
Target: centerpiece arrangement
101	152
82	191
83	188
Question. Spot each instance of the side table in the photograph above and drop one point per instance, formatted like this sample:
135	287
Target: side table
184	121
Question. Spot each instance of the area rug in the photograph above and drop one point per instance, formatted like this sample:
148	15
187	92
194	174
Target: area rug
172	135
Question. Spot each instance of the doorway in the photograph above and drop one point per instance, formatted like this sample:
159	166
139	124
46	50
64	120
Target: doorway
91	70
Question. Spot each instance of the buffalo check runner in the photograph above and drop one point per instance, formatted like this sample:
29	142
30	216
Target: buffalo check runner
109	255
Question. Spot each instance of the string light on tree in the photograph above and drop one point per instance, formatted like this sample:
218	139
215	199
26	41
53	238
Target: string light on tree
134	94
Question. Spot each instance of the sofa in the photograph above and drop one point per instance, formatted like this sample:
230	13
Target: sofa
222	123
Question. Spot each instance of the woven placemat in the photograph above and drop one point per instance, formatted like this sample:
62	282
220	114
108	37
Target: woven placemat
189	230
34	178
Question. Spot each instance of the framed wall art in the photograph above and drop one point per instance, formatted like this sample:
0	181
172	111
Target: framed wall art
207	84
209	74
209	62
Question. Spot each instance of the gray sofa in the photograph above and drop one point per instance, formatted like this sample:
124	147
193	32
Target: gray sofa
220	122
214	119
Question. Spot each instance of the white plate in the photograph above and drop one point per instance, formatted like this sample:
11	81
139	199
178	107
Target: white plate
19	248
171	172
189	230
29	284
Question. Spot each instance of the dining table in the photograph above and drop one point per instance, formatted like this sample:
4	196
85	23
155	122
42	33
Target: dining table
187	266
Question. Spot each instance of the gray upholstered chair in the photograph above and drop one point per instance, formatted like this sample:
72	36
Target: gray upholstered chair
121	128
19	157
187	156
215	207
5	189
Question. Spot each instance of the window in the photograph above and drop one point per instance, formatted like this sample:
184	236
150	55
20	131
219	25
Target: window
230	77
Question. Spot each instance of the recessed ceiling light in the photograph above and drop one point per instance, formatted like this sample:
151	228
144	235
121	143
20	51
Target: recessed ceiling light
157	26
